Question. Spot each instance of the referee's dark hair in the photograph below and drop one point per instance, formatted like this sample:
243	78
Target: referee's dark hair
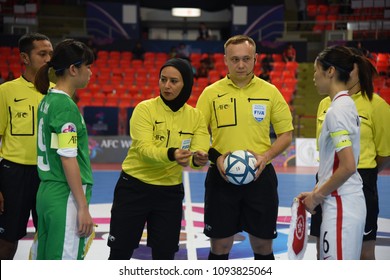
343	59
68	52
26	42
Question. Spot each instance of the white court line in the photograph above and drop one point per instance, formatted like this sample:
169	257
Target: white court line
191	248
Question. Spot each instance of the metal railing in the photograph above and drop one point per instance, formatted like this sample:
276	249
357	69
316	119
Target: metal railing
374	28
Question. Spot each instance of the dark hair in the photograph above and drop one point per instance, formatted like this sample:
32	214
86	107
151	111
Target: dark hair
26	42
66	53
343	60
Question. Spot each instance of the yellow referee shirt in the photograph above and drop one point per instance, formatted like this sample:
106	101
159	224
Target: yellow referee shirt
18	121
374	132
154	128
240	118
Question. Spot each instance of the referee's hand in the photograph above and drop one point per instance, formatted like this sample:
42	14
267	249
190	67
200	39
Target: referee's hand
182	157
221	166
261	163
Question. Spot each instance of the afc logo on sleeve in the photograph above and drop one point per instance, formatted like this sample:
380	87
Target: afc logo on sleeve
73	140
68	136
68	127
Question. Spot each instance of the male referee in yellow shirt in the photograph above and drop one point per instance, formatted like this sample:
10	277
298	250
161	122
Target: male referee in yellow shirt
19	179
239	110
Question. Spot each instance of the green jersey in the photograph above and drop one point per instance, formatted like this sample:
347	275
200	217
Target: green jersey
61	132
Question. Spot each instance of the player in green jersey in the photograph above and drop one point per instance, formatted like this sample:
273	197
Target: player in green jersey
64	167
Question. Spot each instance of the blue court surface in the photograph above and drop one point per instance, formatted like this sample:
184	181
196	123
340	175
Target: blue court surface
194	245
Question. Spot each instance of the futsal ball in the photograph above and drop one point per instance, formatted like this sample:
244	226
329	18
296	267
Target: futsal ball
240	167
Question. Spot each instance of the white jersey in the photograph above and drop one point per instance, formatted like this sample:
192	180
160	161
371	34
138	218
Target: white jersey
344	210
340	130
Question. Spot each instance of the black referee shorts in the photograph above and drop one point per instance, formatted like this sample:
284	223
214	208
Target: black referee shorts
19	185
370	190
136	204
230	209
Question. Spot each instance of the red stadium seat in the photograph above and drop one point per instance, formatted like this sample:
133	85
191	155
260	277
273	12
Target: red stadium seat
116	55
322	9
102	54
218	57
112	97
385	92
202	82
137	63
292	66
311	10
162	56
126	55
277	57
127	98
214	76
279	66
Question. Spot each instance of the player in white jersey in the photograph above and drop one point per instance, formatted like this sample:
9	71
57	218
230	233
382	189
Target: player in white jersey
339	187
343	222
374	113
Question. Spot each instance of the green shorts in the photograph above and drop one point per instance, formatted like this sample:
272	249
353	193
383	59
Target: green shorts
58	237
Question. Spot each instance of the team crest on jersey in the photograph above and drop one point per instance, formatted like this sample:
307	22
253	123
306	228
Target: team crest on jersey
259	112
68	127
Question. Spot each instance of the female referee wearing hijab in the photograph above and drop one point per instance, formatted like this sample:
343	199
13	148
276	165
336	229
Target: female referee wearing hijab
167	134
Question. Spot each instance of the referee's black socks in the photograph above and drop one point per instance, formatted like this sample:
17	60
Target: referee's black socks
264	257
162	255
218	257
119	254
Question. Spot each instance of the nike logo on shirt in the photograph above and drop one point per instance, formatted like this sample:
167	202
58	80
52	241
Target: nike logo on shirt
156	122
220	95
18	100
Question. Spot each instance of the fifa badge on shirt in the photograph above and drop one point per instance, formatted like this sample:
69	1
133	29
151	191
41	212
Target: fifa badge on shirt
186	144
259	112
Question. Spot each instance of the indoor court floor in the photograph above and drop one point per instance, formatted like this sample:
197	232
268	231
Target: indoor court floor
194	245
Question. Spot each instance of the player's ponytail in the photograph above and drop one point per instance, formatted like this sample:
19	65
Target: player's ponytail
42	81
343	60
367	72
68	52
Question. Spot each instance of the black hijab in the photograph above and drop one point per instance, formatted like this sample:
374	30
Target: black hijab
185	69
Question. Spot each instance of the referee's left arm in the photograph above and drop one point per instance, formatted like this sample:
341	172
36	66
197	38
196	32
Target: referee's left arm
281	143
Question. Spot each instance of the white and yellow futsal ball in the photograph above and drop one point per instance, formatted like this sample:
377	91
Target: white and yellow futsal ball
240	167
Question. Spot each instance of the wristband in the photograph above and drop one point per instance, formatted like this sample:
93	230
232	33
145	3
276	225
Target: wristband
171	154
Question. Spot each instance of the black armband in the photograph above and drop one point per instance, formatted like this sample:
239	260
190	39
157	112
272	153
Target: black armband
171	154
213	155
193	161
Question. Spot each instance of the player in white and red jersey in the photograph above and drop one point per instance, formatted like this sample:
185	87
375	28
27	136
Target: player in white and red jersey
339	187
